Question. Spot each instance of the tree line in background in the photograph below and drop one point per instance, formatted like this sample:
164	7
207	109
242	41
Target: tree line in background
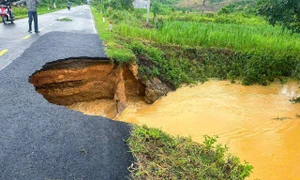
285	13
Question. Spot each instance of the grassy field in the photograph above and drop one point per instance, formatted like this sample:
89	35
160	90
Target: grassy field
114	47
260	39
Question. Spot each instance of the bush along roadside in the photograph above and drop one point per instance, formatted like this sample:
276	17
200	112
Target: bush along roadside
179	64
161	156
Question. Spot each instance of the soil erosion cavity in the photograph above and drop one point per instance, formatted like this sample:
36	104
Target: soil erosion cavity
70	81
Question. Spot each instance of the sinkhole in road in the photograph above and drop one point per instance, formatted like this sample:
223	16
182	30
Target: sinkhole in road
78	80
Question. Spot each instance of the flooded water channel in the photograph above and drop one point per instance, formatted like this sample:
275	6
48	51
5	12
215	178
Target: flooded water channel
259	124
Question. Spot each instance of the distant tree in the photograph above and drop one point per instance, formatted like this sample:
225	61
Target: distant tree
127	4
285	13
155	8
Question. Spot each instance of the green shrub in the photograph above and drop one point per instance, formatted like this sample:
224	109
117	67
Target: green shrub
153	62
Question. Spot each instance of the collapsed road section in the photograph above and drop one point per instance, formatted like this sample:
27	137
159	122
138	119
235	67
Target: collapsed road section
69	81
73	80
41	140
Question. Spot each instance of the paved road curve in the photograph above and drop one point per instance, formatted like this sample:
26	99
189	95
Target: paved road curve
39	140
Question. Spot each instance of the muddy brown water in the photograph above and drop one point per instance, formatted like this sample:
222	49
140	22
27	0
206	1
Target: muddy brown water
258	123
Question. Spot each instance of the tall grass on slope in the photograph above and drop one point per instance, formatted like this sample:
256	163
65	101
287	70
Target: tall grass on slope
259	39
161	156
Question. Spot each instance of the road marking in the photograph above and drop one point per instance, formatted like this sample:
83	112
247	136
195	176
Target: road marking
94	27
3	52
26	37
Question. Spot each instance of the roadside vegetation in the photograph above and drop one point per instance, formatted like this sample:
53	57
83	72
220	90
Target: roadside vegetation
162	156
210	45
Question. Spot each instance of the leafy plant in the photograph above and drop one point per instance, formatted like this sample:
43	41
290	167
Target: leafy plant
155	8
285	13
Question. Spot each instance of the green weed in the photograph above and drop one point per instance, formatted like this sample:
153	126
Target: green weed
64	19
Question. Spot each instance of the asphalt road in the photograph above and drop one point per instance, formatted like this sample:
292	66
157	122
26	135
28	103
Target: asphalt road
39	140
14	38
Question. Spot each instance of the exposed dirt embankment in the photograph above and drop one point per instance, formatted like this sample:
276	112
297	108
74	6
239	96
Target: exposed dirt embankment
69	81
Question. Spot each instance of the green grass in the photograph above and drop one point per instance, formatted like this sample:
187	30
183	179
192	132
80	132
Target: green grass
171	68
115	49
236	18
178	65
259	39
162	156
